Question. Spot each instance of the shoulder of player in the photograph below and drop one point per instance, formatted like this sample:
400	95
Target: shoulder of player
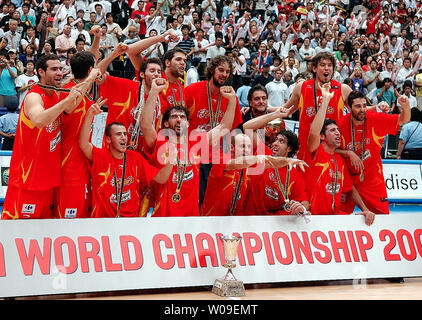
195	86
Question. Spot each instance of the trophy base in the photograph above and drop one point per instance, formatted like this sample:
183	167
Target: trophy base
228	288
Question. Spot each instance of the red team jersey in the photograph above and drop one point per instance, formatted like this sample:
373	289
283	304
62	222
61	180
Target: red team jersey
35	165
264	196
321	179
197	105
372	190
36	157
74	196
221	188
138	174
173	91
75	166
122	99
189	192
307	110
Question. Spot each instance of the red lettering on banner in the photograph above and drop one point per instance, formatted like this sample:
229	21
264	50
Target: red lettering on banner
300	247
315	235
417	235
336	246
34	253
352	243
209	251
71	253
268	249
249	248
128	265
108	260
2	264
390	246
404	234
288	259
156	240
364	246
85	253
181	250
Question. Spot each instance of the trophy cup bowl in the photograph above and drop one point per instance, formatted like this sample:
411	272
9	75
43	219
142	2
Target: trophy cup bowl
229	286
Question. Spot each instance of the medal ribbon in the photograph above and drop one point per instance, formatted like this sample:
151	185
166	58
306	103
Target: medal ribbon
284	189
119	194
213	117
236	193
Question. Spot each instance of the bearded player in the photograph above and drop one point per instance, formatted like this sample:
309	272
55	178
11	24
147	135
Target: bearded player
207	106
179	197
328	176
363	134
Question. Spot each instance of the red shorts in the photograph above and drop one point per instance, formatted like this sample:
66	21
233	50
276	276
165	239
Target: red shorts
374	197
28	204
73	202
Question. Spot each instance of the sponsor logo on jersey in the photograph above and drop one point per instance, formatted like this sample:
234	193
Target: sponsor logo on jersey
28	208
70	213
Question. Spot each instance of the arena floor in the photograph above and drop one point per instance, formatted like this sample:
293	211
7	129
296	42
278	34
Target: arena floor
373	289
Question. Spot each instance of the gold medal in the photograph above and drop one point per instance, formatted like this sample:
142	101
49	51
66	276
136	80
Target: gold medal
176	197
287	205
361	176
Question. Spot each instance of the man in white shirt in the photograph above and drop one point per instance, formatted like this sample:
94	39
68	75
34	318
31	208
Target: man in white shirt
200	43
210	7
65	10
154	20
405	73
306	53
217	49
25	81
192	74
113	29
407	91
74	33
277	90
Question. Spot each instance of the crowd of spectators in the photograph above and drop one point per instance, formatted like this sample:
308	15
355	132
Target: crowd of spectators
377	44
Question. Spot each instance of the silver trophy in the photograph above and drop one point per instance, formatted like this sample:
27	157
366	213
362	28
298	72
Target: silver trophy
229	286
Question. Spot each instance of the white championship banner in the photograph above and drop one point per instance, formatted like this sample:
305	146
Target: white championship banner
39	257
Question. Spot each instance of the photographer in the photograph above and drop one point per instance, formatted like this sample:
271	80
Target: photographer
7	81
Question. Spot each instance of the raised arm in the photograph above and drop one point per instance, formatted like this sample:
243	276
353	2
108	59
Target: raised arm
33	107
404	116
147	114
84	144
135	49
317	123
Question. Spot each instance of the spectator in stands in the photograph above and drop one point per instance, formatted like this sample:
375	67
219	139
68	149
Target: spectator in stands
410	141
8	75
8	124
64	42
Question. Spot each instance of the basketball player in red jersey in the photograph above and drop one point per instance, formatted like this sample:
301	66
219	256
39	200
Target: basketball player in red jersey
235	181
328	174
306	97
207	106
277	190
174	68
35	169
119	175
124	95
74	194
179	197
363	134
